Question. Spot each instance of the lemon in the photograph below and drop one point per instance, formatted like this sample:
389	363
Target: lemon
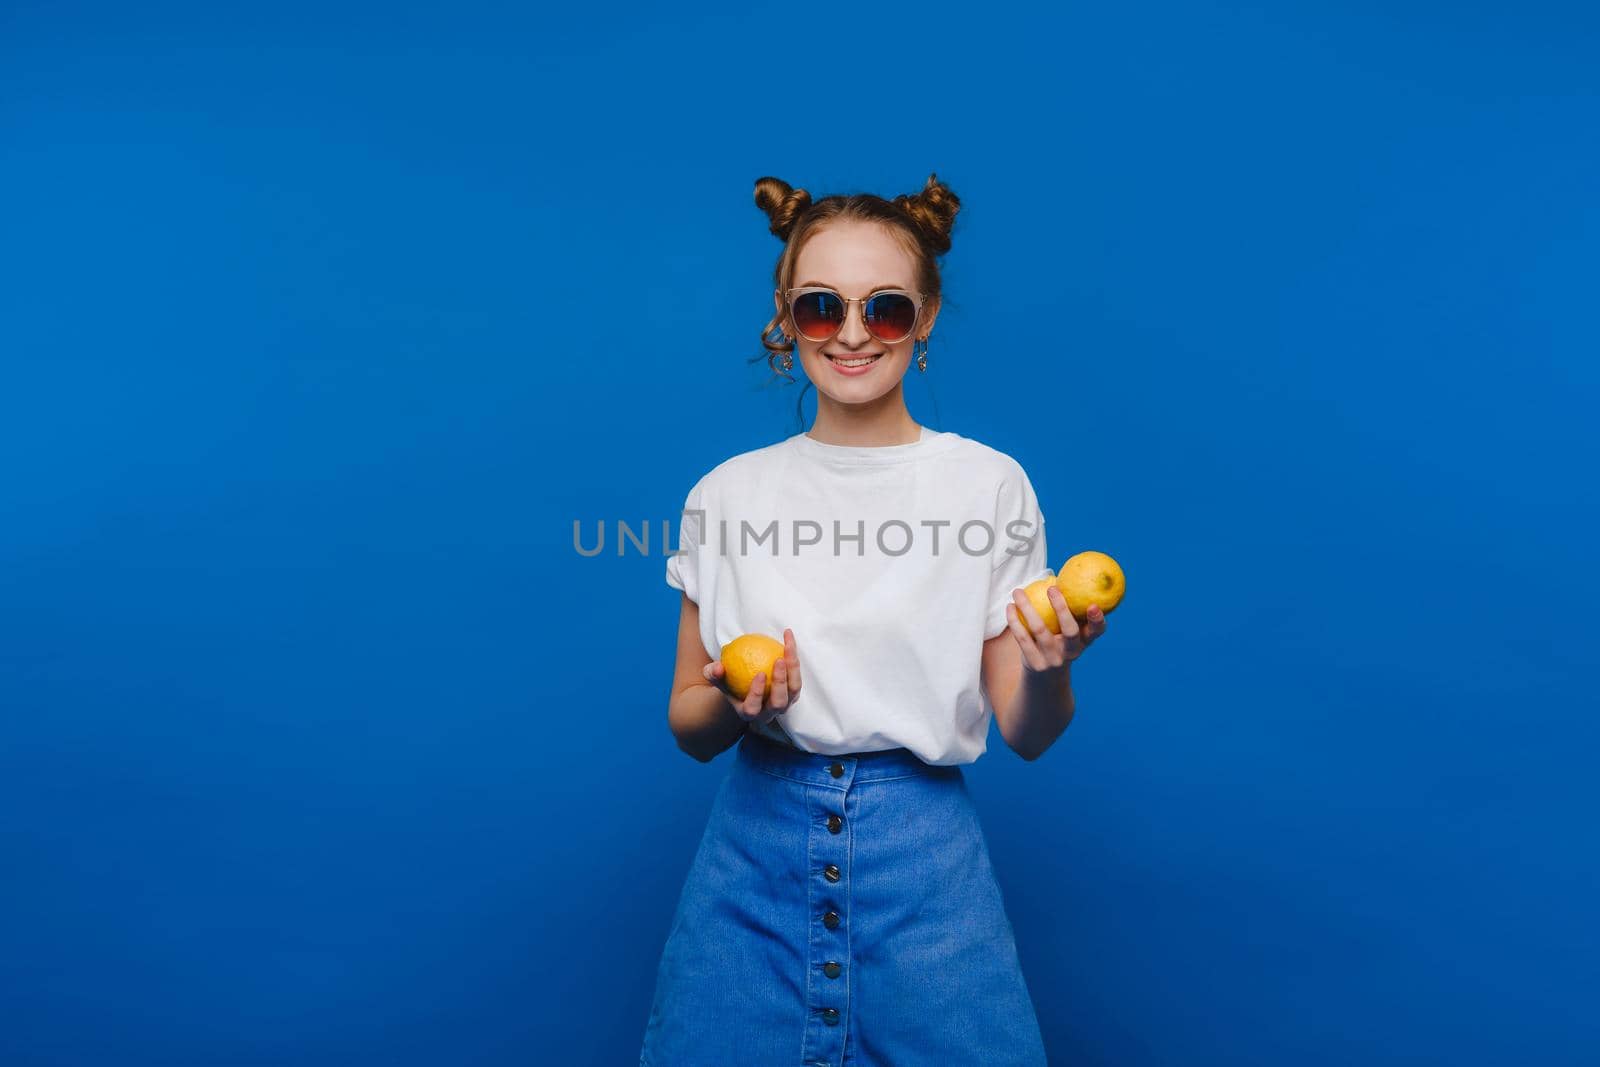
1091	578
1038	594
746	656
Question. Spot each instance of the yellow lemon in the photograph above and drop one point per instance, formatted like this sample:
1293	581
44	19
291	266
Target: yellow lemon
1091	578
746	656
1038	594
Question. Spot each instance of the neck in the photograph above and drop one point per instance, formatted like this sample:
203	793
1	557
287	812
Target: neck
884	421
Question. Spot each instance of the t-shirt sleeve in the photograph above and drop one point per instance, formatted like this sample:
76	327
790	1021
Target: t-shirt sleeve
1019	554
683	567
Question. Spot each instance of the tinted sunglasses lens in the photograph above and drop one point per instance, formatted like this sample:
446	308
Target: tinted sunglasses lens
817	315
891	316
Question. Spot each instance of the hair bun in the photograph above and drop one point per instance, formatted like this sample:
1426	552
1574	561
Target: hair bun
783	204
934	211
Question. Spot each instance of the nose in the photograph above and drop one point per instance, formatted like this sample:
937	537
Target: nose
853	334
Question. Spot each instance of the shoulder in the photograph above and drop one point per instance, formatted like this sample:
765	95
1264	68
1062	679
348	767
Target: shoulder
985	463
738	470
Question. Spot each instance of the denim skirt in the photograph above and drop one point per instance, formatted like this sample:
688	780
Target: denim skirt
840	910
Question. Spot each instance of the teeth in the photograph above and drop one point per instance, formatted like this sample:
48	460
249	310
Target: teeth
853	362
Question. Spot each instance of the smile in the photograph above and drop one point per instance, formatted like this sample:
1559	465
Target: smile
853	363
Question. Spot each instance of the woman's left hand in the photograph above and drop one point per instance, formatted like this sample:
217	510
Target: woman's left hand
1046	651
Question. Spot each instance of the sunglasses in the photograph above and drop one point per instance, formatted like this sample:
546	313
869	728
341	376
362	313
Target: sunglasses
889	314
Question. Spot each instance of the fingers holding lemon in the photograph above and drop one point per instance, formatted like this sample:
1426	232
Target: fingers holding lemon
1086	580
760	673
1038	594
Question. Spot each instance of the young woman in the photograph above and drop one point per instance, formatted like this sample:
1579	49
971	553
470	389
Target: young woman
841	908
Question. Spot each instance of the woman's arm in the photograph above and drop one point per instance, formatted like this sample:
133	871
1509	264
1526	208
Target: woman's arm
1032	708
698	713
1027	670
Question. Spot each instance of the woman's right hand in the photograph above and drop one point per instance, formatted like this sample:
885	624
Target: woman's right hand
763	703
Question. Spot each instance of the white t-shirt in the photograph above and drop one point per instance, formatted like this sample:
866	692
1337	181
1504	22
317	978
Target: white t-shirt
892	564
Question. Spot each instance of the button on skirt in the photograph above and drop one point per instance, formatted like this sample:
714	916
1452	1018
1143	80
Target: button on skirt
840	910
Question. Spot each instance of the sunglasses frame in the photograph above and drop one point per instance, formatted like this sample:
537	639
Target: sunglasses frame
916	303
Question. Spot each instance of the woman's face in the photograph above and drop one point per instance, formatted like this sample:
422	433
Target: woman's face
854	259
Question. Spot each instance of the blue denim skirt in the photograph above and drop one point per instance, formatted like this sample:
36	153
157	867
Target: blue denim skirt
840	910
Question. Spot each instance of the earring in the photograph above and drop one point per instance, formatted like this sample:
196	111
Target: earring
787	362
922	355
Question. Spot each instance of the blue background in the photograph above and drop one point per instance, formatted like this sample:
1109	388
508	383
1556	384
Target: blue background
321	324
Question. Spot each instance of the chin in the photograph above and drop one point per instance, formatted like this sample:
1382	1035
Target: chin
866	394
